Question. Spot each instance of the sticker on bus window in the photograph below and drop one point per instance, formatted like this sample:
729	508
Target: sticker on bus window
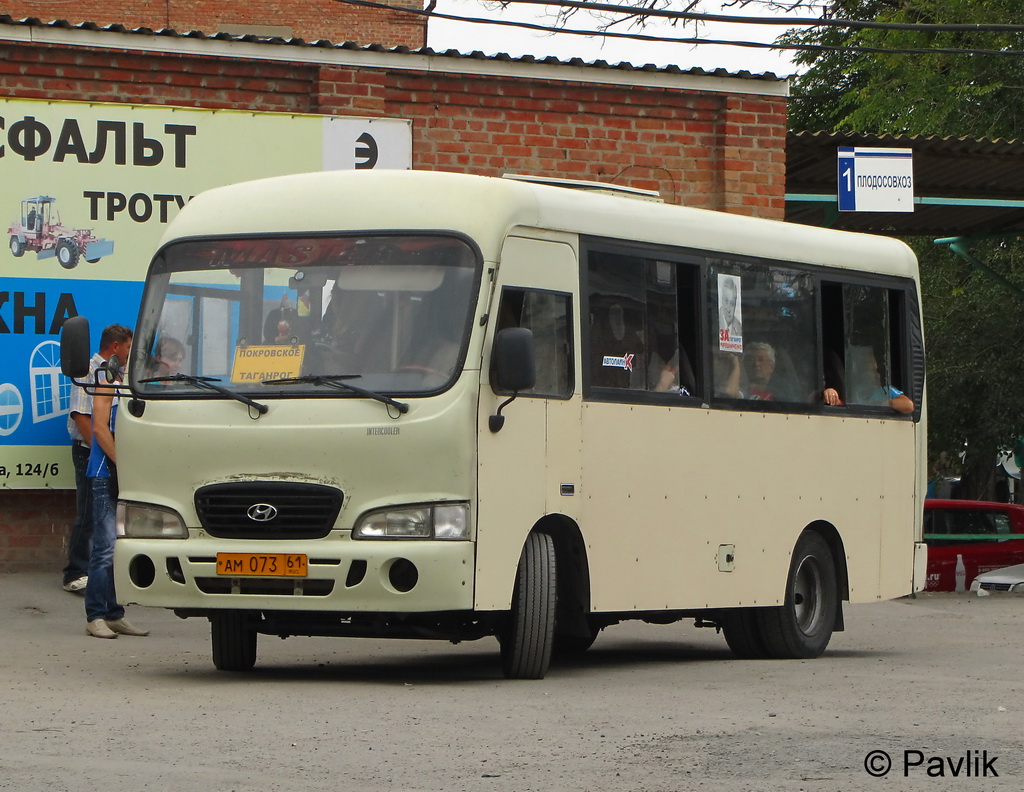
618	361
730	316
259	363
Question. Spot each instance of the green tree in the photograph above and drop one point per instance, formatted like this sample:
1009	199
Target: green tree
940	93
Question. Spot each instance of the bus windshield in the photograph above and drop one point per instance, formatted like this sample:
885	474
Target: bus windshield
283	316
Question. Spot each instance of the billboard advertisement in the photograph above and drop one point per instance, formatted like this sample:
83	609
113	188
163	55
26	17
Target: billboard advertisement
86	191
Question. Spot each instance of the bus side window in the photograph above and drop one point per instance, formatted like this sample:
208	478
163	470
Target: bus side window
763	332
864	337
618	353
671	314
643	335
547	315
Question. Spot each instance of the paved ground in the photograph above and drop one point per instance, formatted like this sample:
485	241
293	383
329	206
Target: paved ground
934	682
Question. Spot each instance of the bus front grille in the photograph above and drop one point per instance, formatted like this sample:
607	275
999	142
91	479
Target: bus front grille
268	510
265	586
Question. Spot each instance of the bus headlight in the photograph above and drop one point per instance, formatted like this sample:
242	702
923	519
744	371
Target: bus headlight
451	521
447	521
142	521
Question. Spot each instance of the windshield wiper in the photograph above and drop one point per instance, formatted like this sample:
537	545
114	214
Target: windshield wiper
208	383
337	381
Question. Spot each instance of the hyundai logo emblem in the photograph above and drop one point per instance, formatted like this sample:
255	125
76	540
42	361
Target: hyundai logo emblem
262	512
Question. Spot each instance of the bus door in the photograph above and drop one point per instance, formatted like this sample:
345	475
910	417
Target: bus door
531	467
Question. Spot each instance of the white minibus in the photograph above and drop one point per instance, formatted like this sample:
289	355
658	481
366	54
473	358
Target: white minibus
433	405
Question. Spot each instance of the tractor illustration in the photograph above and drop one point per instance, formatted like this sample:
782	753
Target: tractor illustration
41	230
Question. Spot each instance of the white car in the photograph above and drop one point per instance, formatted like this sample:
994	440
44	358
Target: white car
1009	578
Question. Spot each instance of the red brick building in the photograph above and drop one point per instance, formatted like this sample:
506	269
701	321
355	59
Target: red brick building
710	140
310	20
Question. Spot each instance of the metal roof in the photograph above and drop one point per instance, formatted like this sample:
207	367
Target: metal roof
962	186
454	55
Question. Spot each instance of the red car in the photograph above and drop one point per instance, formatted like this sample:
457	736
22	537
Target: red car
971	537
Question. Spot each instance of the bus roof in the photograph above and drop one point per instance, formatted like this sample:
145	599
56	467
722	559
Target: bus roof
487	208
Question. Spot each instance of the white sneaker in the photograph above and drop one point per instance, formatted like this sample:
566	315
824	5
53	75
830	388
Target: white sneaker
122	627
77	586
98	628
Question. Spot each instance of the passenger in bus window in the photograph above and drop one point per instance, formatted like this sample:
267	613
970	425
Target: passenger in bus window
281	323
759	360
168	357
831	397
355	332
620	359
663	376
898	400
436	349
835	379
663	369
866	383
728	375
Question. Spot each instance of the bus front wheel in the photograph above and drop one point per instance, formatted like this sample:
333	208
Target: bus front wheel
234	641
527	637
802	627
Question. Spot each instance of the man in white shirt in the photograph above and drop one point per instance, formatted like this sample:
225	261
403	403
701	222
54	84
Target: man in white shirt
115	340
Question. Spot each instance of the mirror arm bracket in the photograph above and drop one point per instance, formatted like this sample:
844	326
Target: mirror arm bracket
496	421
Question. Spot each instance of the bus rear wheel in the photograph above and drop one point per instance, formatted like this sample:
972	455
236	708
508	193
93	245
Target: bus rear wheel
528	636
802	627
742	630
233	636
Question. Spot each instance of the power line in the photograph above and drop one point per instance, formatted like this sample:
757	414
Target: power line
854	24
853	49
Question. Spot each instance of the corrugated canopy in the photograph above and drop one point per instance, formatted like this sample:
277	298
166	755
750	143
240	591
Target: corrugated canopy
962	186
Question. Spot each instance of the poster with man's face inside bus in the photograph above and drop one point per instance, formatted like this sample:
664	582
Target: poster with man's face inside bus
730	317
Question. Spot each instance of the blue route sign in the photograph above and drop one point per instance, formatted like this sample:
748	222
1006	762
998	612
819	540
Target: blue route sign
875	180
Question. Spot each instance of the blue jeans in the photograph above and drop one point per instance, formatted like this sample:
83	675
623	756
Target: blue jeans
100	598
81	529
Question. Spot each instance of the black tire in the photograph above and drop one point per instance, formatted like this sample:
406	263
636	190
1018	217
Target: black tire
528	636
802	627
567	646
742	631
234	641
17	247
67	253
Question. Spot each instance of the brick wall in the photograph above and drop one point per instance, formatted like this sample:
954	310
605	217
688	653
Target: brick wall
710	150
34	525
306	19
704	149
30	72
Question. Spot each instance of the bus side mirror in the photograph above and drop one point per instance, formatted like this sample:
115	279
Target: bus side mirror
515	367
514	363
74	347
112	369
